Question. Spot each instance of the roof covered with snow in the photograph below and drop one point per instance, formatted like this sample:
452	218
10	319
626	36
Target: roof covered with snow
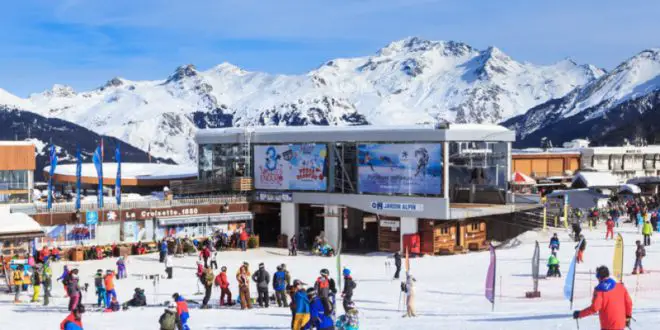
403	133
18	224
16	143
141	171
595	179
550	151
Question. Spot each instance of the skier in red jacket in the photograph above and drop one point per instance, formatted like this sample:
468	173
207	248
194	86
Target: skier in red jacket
610	228
611	301
223	283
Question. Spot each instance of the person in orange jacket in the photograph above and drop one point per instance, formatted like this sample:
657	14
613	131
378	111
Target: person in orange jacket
243	239
109	281
611	301
223	283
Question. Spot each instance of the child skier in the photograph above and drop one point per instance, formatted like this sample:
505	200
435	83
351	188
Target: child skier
349	321
223	283
167	320
553	266
325	287
47	281
320	318
73	320
113	307
554	243
181	311
647	231
64	277
640	253
17	276
100	290
347	293
582	245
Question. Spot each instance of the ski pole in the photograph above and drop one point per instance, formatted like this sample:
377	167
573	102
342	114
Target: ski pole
577	323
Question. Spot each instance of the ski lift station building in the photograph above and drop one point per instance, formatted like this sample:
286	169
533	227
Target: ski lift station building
432	188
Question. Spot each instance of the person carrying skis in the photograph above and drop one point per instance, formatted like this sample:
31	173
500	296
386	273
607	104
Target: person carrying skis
169	266
554	243
350	320
121	268
640	253
610	228
205	254
181	311
17	277
610	300
301	316
223	283
582	245
262	278
279	285
73	320
553	266
410	295
167	320
73	290
397	264
109	281
37	279
319	317
243	278
207	280
324	286
47	282
647	231
347	293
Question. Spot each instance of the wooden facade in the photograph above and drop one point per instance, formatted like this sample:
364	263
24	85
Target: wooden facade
543	165
448	237
125	182
389	234
17	157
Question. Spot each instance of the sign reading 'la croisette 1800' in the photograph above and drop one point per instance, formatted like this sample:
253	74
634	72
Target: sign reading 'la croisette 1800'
291	167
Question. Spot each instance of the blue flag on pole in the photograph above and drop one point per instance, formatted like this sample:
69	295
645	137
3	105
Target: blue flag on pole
78	175
118	179
53	165
98	163
569	284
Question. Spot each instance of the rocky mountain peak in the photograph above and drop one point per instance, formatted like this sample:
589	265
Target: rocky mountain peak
59	90
416	44
183	72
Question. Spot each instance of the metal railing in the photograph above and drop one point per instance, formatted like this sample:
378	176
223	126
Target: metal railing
70	207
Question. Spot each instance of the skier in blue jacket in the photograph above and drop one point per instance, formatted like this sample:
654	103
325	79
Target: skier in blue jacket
279	285
318	318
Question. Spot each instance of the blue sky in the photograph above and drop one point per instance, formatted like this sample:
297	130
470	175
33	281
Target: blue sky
83	43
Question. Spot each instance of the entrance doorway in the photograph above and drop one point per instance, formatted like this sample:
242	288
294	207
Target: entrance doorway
311	223
267	222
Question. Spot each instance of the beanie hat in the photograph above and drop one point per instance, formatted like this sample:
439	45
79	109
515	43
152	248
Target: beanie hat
346	272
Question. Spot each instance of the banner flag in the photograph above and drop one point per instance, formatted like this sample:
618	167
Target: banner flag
53	165
98	163
617	265
118	179
78	176
490	277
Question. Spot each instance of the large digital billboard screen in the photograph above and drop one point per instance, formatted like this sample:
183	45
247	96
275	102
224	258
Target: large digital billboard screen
400	169
291	167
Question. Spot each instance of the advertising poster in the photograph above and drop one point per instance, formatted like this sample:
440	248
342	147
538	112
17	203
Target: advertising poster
291	167
55	235
80	233
403	169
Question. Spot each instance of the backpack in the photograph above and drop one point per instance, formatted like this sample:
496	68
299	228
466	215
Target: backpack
280	281
168	321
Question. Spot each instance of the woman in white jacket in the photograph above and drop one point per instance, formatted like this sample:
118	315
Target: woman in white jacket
169	263
410	295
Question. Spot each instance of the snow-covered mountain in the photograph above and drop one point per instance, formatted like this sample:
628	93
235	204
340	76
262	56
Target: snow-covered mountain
618	105
66	136
409	81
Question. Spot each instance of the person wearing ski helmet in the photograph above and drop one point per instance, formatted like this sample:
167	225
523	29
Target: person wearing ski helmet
222	281
349	286
301	316
181	311
325	286
610	300
320	318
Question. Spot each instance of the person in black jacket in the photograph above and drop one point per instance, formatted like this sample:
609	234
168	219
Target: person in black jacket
347	293
262	278
397	264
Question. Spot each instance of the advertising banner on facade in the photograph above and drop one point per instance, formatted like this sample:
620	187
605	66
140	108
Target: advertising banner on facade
408	169
291	167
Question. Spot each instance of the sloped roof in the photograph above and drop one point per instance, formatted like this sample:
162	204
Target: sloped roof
595	179
19	225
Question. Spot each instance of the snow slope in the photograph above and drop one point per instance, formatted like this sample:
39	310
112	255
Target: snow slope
407	82
629	83
450	290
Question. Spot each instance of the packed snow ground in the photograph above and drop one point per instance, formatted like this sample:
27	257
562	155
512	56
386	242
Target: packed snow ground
449	290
